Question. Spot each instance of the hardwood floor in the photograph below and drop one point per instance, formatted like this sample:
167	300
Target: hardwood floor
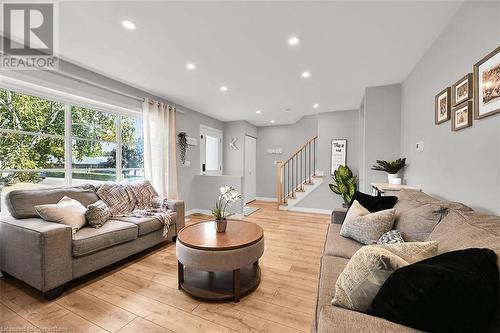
141	295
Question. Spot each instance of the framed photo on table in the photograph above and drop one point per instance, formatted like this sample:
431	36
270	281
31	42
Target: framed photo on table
339	154
442	105
487	85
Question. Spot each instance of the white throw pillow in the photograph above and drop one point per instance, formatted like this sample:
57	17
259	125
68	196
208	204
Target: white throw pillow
67	211
366	227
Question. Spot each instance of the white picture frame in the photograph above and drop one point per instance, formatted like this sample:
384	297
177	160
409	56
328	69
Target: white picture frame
338	154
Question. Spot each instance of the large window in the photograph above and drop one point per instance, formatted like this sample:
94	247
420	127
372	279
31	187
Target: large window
50	143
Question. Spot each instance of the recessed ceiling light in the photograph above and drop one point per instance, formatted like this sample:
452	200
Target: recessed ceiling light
129	25
315	105
306	74
223	88
190	66
258	111
272	121
293	40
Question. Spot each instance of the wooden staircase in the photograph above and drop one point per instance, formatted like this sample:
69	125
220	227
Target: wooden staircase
297	176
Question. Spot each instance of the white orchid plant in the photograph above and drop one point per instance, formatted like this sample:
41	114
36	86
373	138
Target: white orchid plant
227	197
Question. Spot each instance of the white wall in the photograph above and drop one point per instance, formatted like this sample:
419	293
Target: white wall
465	165
333	125
287	137
382	131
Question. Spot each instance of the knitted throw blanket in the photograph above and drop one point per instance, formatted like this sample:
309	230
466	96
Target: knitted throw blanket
138	199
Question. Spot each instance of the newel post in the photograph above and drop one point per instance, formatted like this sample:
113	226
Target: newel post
279	173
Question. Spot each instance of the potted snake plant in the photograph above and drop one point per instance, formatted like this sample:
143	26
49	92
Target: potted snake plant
393	169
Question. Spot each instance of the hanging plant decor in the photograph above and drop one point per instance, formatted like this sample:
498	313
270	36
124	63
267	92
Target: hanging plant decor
182	142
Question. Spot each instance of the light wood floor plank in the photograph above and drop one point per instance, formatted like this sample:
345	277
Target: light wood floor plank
141	295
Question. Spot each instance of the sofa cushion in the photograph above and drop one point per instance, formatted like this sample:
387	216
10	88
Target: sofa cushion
462	229
145	224
368	269
337	319
21	203
453	292
374	203
368	228
67	211
331	267
89	240
339	246
416	224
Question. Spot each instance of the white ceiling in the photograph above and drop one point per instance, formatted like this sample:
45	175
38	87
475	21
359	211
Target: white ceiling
346	46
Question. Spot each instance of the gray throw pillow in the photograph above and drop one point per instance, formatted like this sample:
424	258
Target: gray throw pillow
97	214
366	227
67	211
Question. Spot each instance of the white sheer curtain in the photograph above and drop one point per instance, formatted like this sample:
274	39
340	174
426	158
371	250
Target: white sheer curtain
160	156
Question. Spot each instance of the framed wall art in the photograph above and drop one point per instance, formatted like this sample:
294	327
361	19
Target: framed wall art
442	106
339	154
461	91
461	116
487	85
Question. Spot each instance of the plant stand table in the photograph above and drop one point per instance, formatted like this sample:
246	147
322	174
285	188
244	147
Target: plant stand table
219	266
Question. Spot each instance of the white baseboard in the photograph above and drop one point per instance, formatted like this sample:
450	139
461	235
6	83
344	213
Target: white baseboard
266	199
311	210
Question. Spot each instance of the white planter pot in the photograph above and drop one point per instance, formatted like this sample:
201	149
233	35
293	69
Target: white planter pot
391	177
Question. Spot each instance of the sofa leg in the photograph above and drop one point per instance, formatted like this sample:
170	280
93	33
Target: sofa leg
174	239
53	293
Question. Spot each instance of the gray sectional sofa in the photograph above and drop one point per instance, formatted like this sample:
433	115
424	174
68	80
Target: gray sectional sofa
459	228
47	255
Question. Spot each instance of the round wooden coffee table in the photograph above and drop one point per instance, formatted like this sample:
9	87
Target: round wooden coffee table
219	266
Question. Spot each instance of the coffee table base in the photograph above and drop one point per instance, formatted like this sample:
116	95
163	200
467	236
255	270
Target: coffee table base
219	286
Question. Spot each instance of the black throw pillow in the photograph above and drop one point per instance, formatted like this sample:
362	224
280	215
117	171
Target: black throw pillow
374	203
452	292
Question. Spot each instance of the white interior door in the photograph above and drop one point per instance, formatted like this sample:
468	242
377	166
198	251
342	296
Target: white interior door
250	181
210	151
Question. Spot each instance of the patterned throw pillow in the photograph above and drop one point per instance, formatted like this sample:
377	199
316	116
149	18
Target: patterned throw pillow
97	214
391	237
366	227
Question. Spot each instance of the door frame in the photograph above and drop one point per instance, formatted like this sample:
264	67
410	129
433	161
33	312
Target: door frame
207	130
245	169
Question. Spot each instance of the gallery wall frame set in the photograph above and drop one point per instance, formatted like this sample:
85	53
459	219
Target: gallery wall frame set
475	95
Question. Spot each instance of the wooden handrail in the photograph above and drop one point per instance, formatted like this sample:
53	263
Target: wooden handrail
293	174
300	149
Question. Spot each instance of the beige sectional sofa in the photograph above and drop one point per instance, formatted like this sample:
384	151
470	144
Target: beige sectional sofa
47	255
459	228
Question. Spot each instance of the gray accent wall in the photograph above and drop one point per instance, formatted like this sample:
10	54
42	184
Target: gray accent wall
465	165
234	160
333	125
382	131
287	137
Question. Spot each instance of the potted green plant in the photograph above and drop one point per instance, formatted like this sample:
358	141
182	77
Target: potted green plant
182	142
344	184
392	168
227	197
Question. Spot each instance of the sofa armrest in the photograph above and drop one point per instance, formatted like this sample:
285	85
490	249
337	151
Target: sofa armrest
36	252
178	207
337	319
338	215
